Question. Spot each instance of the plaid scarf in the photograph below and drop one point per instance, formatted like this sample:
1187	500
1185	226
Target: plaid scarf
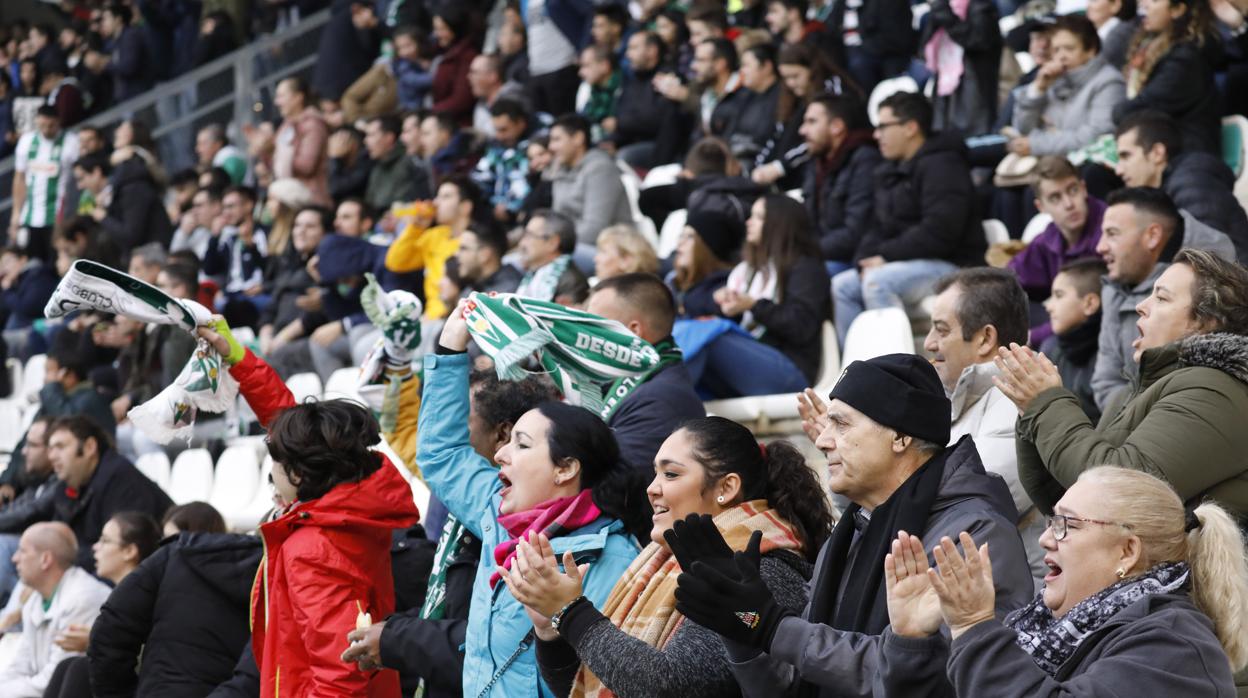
1051	641
581	352
643	602
554	518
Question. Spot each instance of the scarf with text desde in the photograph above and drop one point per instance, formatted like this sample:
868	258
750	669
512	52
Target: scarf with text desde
580	351
205	383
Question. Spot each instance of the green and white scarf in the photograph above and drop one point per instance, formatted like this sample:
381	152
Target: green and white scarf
581	352
449	543
205	382
541	283
669	355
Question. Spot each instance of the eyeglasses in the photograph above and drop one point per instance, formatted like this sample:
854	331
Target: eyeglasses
887	124
1059	524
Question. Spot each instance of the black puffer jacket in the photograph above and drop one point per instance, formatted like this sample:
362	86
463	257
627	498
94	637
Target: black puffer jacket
185	609
884	25
840	199
1182	86
1202	185
925	207
794	325
136	215
434	649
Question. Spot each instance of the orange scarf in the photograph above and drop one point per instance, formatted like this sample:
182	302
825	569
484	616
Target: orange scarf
643	602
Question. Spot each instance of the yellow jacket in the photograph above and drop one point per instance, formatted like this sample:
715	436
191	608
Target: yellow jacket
428	249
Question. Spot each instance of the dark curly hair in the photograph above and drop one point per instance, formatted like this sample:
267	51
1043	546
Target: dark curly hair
324	444
777	473
504	402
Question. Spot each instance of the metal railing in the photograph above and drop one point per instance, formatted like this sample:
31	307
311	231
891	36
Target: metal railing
235	89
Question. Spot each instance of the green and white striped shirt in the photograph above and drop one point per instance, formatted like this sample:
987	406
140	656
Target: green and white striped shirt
46	165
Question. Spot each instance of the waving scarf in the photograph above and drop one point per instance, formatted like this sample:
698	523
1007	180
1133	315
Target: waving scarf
1051	641
541	283
553	518
581	352
205	382
643	602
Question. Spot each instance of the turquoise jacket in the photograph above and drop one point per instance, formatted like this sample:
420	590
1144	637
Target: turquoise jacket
468	485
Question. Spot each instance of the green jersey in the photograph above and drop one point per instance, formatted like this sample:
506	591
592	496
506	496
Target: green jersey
47	166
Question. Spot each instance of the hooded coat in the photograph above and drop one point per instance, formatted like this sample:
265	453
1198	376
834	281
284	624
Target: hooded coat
326	561
1182	421
184	609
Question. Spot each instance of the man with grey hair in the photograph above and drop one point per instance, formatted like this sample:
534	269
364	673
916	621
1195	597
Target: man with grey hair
214	150
63	595
883	433
977	311
545	254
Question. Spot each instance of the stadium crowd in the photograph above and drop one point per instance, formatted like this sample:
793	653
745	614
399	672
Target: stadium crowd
1045	494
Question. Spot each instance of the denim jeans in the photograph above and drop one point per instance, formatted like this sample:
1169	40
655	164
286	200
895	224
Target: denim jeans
734	365
894	285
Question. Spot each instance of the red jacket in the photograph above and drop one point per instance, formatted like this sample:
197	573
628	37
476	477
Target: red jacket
325	561
450	90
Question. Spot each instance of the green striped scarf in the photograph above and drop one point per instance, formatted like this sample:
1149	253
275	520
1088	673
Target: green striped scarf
581	352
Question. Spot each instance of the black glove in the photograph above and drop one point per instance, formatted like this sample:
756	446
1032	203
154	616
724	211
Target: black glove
697	539
739	607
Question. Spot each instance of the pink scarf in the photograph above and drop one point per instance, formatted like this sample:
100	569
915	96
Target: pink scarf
944	55
554	518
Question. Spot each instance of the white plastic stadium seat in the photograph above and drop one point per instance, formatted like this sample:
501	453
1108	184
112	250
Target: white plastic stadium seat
903	83
235	482
662	175
342	384
305	385
995	231
14	367
32	377
191	477
1035	226
248	518
632	190
156	467
771	408
669	238
878	332
11	430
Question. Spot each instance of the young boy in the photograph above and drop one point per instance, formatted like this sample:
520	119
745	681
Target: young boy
1074	309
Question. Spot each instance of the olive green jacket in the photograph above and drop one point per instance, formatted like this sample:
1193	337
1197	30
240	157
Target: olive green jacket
1184	420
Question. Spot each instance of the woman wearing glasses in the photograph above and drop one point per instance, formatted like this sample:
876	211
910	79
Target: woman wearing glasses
1140	593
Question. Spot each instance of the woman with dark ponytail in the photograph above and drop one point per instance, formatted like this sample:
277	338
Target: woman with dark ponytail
715	489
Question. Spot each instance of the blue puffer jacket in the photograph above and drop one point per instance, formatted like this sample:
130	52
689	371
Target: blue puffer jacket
469	486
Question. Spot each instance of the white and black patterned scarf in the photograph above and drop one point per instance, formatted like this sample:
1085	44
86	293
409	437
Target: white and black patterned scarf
1051	641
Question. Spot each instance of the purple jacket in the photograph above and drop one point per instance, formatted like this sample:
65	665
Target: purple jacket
1038	264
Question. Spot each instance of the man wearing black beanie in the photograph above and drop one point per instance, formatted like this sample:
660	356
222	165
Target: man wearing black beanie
884	437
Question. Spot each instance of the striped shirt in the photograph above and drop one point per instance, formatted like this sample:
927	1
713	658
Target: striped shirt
46	165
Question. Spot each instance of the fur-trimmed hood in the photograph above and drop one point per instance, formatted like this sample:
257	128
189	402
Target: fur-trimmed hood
1224	351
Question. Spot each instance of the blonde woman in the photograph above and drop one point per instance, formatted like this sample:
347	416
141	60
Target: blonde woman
622	250
1140	592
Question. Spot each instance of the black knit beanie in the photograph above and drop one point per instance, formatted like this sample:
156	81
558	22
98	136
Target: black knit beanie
720	232
899	391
